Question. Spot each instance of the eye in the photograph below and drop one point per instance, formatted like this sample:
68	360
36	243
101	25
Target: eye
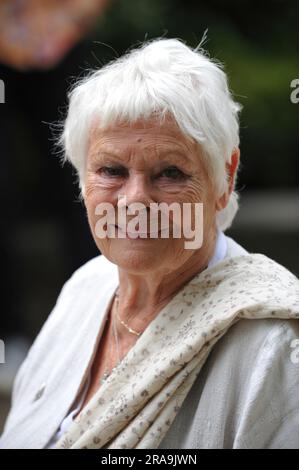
172	172
113	171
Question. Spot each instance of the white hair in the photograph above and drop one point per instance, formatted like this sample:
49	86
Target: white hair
161	76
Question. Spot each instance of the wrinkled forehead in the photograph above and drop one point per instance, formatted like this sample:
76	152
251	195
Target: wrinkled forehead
146	134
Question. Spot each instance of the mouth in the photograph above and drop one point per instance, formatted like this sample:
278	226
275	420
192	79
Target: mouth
138	235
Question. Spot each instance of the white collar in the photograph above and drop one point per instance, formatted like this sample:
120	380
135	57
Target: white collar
220	249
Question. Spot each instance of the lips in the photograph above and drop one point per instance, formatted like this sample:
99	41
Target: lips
132	235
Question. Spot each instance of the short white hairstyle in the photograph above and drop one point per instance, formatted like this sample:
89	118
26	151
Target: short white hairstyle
159	77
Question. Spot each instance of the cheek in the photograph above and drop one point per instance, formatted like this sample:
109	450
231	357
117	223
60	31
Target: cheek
92	202
201	192
194	191
96	194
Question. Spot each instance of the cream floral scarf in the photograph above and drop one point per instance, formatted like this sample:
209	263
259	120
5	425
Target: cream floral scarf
136	406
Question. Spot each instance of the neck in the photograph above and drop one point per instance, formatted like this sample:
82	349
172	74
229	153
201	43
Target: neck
141	297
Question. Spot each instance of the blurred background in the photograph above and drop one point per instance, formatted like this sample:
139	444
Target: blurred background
44	47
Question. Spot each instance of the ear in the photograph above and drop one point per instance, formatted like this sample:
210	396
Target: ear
231	169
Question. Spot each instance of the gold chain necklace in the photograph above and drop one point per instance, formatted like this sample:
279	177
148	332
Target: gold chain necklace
124	323
107	372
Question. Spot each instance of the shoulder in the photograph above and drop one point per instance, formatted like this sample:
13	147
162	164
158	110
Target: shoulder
73	300
89	278
257	333
256	344
97	268
255	375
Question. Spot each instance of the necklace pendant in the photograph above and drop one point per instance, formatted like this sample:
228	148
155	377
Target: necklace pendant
133	331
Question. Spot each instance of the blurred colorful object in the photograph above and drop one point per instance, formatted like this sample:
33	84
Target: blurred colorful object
37	34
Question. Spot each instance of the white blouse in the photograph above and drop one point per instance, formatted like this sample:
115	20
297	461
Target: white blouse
219	254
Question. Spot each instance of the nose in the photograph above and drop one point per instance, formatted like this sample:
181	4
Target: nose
136	190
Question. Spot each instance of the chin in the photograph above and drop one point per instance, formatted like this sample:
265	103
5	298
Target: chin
136	263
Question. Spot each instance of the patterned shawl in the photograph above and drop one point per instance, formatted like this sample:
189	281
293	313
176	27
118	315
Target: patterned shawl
137	404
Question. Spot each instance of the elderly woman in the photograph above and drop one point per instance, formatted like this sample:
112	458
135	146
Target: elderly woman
155	344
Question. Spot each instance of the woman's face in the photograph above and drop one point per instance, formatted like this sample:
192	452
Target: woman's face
147	163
